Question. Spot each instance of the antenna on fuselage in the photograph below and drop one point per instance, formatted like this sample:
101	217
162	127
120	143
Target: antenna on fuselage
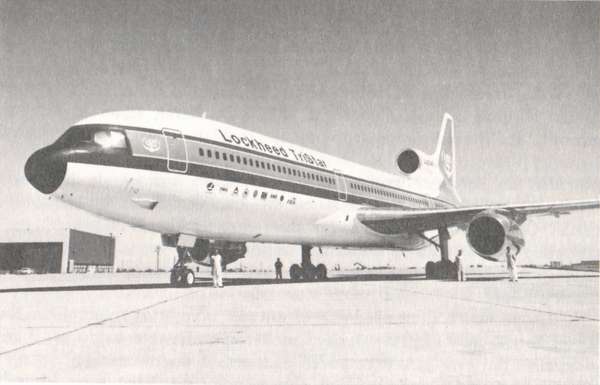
204	115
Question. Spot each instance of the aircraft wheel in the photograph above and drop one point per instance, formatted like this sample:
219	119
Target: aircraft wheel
321	272
309	273
188	278
296	272
176	278
430	270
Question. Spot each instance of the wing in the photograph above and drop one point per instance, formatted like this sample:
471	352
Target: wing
394	220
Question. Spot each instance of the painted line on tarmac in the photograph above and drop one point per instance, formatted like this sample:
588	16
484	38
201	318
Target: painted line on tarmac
96	323
582	317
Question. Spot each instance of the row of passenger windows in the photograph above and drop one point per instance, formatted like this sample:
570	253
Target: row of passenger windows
306	175
385	193
266	166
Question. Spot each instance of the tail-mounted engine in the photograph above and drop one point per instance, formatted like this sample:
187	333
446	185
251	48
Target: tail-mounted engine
408	161
411	161
490	232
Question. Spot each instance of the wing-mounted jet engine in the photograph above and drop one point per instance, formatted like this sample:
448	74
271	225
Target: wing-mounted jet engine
195	252
490	232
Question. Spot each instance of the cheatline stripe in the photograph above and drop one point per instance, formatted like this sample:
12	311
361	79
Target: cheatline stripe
273	157
229	175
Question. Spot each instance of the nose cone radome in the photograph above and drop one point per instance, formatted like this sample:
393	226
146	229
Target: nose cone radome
45	170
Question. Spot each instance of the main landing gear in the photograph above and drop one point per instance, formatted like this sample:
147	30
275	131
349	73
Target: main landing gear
306	270
444	268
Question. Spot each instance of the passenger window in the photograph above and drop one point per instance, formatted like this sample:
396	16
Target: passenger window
278	168
201	152
262	164
224	156
284	170
209	153
268	166
245	161
239	160
217	154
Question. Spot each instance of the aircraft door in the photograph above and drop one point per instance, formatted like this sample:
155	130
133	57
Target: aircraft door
177	155
342	189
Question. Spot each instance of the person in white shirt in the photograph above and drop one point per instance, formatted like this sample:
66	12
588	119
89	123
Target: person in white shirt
460	271
217	269
511	265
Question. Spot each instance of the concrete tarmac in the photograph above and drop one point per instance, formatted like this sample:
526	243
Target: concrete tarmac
357	328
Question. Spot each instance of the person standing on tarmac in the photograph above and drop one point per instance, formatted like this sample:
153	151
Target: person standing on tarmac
217	269
511	265
460	272
278	267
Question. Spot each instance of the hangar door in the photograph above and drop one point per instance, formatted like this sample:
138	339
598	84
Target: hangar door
43	257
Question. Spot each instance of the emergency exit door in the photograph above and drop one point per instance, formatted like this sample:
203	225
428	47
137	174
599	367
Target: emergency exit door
177	155
342	189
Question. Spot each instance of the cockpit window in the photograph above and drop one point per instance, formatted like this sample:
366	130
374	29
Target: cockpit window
110	139
76	135
104	136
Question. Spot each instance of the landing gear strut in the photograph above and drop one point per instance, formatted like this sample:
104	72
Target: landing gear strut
182	274
444	268
307	271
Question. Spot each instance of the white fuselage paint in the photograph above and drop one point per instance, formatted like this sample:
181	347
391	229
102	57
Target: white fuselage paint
232	210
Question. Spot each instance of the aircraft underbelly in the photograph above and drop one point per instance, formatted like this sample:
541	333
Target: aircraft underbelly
178	203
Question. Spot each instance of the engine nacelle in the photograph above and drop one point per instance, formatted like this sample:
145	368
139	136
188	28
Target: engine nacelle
409	161
490	232
231	251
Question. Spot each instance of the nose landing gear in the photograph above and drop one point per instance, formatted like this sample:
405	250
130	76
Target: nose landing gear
182	274
307	271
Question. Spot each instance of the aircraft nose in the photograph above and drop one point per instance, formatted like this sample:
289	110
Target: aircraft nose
45	169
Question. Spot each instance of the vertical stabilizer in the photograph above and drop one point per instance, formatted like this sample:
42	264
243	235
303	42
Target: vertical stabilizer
444	155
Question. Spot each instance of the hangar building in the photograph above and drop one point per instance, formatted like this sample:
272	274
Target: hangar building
56	251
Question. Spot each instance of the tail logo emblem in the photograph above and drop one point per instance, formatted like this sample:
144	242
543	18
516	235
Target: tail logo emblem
446	161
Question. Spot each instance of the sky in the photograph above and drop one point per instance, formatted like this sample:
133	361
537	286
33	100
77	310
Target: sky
359	80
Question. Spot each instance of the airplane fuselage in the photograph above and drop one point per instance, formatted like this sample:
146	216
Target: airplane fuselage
172	173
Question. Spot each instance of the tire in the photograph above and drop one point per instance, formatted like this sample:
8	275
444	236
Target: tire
296	272
321	272
309	273
188	278
430	270
176	278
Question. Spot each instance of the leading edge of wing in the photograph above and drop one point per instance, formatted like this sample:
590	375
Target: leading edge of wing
393	220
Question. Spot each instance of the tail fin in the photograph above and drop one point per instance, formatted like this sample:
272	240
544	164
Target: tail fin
444	155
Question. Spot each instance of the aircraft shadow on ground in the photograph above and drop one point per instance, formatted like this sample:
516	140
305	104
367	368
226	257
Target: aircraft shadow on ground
207	282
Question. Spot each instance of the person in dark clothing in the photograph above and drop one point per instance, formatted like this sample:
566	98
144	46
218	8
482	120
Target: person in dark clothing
278	267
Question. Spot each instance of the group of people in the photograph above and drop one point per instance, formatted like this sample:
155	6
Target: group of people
511	265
